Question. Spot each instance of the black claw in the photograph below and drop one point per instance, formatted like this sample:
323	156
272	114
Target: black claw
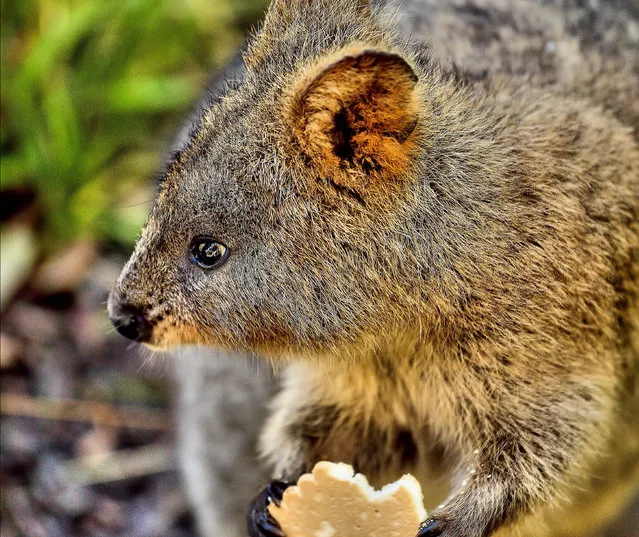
259	521
275	491
433	527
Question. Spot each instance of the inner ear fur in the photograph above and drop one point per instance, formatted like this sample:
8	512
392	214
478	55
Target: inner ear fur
354	117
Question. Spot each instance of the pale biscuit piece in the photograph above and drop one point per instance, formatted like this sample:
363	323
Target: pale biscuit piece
333	501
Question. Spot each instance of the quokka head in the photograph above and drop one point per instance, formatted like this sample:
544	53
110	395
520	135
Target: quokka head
283	224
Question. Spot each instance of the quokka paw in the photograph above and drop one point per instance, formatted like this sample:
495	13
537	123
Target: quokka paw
259	521
432	527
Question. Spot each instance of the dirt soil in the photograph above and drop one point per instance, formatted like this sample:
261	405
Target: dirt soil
102	463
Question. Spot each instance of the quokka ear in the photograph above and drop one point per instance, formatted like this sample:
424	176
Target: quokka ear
354	117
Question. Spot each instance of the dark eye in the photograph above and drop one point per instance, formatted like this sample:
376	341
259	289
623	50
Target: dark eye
208	253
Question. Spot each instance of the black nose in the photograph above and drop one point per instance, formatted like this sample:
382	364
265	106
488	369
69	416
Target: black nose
131	323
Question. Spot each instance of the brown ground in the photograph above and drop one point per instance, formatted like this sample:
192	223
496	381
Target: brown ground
109	469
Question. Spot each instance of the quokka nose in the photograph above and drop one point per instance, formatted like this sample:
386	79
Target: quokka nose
131	323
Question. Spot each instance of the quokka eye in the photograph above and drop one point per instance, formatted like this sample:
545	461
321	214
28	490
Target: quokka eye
208	253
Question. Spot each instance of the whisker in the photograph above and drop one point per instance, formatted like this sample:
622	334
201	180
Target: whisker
131	205
108	328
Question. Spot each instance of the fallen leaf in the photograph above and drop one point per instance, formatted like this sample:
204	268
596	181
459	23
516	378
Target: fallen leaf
17	257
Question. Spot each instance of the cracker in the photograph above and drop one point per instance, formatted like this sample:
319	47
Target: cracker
333	501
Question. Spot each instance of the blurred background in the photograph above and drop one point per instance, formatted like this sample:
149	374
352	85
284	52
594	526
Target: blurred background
92	93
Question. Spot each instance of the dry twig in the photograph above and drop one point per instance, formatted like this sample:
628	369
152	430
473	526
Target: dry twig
100	414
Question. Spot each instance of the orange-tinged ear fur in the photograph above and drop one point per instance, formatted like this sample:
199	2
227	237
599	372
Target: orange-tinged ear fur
354	115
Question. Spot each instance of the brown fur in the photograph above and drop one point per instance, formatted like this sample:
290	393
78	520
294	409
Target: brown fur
372	94
467	306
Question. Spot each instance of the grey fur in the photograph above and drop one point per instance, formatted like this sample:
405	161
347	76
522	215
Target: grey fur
221	406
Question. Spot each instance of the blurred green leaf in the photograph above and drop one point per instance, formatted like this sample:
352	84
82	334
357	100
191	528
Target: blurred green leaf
14	168
152	94
91	90
66	31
